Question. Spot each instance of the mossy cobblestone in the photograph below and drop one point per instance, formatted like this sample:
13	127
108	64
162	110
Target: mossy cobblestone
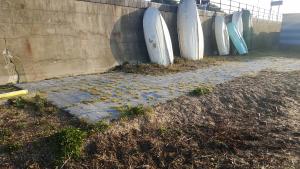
92	97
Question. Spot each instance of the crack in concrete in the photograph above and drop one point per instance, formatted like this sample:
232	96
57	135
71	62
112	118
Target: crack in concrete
13	76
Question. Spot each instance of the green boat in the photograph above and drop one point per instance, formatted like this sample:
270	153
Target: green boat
247	27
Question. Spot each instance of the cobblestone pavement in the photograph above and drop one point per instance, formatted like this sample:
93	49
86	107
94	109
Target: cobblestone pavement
93	97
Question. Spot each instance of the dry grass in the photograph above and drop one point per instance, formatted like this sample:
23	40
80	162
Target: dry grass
26	123
182	65
250	122
245	123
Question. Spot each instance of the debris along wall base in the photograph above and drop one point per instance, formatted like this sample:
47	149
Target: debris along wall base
57	38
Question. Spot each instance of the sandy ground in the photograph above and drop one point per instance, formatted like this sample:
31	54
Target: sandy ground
249	122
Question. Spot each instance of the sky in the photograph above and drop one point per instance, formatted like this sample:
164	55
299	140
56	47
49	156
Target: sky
289	6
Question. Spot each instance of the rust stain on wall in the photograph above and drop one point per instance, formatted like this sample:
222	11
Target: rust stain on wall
28	47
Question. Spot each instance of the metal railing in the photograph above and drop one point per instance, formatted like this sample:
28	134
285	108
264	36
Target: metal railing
230	6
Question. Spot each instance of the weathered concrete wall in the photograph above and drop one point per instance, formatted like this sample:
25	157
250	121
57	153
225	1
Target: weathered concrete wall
290	32
55	38
266	34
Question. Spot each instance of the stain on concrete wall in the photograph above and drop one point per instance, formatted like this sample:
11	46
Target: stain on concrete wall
266	34
290	32
56	38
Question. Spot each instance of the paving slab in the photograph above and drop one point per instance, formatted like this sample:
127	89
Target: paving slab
95	97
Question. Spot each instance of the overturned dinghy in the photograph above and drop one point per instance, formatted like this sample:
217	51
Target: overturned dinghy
157	38
248	27
237	39
221	34
238	21
190	32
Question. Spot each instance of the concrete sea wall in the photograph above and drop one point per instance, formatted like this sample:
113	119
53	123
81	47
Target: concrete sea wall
289	35
266	34
42	39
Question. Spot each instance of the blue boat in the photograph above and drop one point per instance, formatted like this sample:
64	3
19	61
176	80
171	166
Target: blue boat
237	39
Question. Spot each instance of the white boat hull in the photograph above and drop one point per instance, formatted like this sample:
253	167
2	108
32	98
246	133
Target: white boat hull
190	31
157	38
222	37
237	20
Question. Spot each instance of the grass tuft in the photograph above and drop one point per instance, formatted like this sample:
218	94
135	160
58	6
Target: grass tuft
68	143
18	102
199	91
162	130
37	103
101	126
129	112
98	127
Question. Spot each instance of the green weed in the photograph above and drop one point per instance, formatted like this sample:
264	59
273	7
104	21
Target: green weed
199	91
128	112
100	126
68	143
162	130
37	103
18	102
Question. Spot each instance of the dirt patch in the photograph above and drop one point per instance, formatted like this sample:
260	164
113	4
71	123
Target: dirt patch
250	122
